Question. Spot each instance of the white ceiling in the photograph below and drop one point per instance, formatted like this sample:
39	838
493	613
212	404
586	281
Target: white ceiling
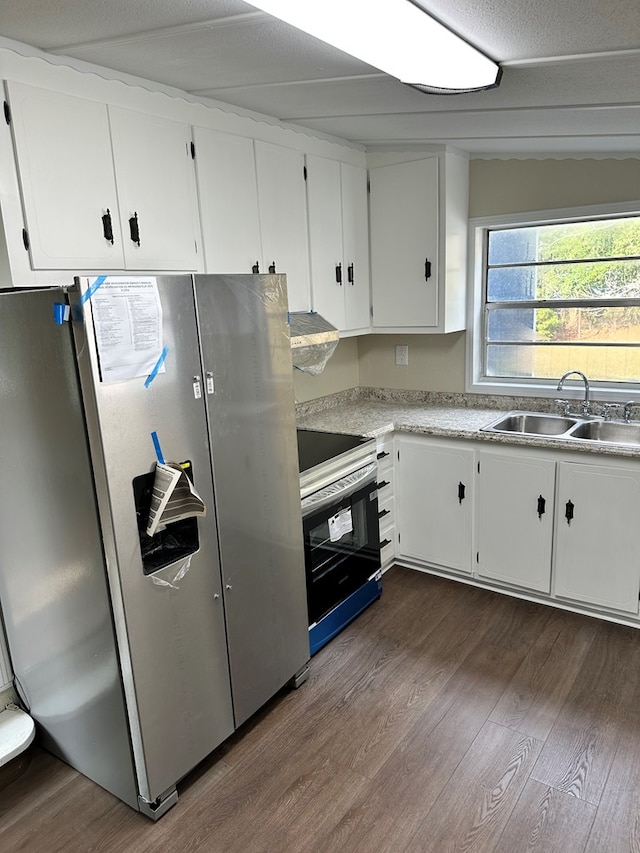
570	85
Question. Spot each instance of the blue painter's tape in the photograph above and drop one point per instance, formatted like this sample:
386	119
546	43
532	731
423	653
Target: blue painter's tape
156	369
61	313
156	444
86	296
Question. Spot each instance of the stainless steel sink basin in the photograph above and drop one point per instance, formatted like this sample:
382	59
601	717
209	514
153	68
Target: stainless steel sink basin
612	432
532	423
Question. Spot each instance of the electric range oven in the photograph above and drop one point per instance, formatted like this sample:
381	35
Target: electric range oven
338	485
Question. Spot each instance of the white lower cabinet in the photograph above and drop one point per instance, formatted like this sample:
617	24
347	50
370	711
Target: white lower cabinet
562	530
434	502
597	558
515	498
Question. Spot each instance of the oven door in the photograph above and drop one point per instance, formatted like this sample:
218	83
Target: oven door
341	539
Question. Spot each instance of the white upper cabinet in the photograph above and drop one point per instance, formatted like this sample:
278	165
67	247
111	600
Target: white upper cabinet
283	219
228	194
63	151
338	242
418	212
92	174
355	239
155	177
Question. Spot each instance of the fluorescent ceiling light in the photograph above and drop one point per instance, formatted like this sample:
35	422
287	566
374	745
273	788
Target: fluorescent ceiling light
395	36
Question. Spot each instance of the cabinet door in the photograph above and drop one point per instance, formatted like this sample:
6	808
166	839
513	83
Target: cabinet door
228	195
404	242
355	238
515	519
283	219
434	498
68	185
324	205
156	188
596	558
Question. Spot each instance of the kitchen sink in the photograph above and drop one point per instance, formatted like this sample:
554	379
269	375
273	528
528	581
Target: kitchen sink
566	428
532	423
608	431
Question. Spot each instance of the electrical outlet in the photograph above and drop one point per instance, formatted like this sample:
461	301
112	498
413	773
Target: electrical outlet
402	354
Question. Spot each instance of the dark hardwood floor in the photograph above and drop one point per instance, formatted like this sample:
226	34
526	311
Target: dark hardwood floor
445	718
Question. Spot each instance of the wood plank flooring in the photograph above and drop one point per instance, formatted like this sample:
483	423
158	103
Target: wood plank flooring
445	718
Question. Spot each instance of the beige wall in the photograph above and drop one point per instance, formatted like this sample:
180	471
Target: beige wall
340	374
437	362
516	186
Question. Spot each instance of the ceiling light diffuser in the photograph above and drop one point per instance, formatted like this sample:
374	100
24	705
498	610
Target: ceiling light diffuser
395	36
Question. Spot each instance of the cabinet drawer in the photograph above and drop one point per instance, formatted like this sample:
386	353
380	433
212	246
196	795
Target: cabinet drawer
385	484
387	512
384	452
388	544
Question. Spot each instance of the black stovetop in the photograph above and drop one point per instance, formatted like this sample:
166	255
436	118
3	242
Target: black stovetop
315	447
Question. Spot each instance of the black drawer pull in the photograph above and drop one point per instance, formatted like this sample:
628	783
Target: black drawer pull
461	491
272	268
382	454
427	269
542	506
134	229
255	269
383	512
107	227
569	511
382	484
339	273
385	542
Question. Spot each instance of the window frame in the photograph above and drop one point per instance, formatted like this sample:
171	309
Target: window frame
476	379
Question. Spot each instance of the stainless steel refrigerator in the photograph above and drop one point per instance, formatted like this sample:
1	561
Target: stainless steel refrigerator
137	655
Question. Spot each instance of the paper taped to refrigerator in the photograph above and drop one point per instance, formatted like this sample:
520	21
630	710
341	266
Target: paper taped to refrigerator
127	317
173	498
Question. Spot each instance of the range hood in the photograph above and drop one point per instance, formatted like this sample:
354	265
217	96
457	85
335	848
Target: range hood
313	341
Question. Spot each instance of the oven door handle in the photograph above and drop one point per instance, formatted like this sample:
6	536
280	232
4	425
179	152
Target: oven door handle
336	492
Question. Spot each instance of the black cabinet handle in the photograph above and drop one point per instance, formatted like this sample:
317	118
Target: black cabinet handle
339	274
382	454
385	542
568	514
107	226
255	269
134	229
382	484
461	491
383	512
272	267
427	269
542	504
350	276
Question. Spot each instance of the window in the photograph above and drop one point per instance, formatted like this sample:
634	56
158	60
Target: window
556	296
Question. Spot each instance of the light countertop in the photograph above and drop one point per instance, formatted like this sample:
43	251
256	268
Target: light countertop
367	412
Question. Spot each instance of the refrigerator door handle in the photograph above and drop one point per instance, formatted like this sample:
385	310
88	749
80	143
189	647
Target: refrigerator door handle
197	387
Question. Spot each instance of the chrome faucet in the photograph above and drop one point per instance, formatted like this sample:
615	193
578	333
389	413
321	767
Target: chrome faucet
628	408
586	405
